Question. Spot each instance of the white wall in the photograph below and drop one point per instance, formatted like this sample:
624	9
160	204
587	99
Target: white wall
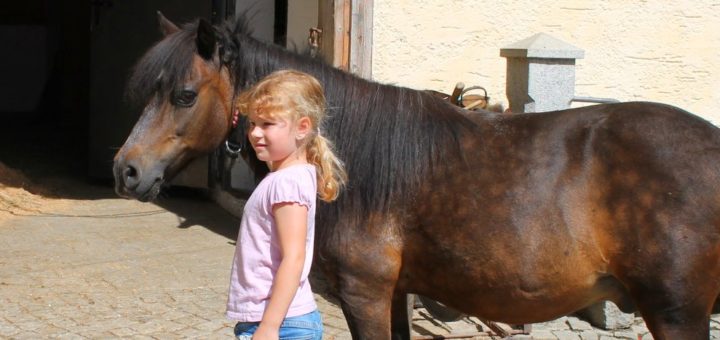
666	51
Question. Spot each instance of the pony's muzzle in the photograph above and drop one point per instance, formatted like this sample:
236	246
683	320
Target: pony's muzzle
134	181
127	177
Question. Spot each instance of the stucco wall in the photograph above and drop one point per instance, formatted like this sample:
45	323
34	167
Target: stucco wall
666	51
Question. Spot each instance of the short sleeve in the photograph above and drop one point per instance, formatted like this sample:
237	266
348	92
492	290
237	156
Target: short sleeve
292	188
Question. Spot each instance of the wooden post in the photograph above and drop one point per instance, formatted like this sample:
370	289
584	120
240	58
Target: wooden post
361	24
346	40
334	20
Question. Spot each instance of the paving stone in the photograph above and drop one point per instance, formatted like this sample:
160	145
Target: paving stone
30	325
625	335
589	335
153	326
123	332
566	335
543	335
27	335
7	330
69	336
193	333
210	325
557	324
579	325
174	315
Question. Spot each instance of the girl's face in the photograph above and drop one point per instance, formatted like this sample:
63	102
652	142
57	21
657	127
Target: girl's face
275	140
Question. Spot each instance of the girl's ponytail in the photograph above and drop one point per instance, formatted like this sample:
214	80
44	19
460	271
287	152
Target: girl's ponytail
331	176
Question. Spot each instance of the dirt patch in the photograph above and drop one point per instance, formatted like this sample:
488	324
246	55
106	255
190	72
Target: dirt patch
20	196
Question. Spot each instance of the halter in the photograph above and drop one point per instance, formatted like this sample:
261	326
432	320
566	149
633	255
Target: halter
233	150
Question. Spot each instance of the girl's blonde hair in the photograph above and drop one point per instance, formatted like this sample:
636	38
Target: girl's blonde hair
292	95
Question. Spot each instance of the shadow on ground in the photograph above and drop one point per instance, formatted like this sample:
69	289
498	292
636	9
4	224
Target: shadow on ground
194	207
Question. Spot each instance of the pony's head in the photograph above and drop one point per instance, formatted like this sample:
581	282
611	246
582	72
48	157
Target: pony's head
187	93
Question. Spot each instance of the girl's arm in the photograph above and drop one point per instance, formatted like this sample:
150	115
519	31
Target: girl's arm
291	222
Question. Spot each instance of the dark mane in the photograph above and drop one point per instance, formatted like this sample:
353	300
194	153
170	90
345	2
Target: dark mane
163	67
390	138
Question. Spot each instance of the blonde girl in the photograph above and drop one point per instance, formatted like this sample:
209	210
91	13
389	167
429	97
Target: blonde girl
270	295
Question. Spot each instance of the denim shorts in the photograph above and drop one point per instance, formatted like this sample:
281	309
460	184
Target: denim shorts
302	327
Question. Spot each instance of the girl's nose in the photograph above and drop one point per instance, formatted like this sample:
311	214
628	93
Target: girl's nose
255	132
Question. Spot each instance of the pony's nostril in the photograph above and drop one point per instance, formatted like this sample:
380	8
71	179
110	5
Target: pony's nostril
130	172
130	175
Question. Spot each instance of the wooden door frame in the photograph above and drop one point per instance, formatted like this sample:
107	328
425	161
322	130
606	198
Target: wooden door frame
346	40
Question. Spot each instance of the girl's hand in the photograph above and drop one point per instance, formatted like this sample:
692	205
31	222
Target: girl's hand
266	333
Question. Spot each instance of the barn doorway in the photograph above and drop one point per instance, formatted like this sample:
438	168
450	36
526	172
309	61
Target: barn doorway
44	86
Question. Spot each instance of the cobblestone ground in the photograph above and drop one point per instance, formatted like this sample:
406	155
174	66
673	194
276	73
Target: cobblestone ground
105	267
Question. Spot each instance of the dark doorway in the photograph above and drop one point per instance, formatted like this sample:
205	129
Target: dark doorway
44	85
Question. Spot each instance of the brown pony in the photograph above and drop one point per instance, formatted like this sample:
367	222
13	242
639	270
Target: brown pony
516	218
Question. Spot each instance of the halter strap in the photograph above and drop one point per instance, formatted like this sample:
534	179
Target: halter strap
231	148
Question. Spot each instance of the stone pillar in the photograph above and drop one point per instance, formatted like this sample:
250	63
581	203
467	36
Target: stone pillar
540	73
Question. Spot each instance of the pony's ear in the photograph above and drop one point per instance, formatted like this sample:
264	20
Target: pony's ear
166	26
206	39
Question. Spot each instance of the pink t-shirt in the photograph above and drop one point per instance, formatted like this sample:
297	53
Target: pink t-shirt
257	251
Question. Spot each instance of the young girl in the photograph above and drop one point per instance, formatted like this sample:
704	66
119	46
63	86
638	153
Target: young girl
270	293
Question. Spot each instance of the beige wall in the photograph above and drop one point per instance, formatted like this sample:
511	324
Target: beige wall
662	50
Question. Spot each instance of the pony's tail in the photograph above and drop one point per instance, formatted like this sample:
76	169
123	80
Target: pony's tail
331	175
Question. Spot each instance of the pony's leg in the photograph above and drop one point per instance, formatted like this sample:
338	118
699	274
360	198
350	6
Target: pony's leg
686	323
401	317
366	306
676	309
365	270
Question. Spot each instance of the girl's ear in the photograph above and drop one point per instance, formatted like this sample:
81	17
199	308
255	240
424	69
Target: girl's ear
304	127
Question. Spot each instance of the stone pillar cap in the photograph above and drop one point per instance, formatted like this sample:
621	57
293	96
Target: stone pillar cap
542	45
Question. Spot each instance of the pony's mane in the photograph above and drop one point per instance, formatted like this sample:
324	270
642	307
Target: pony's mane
390	138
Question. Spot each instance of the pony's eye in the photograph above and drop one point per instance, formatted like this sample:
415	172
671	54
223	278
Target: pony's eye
185	98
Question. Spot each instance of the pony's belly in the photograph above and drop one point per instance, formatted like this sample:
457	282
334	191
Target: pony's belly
512	287
519	305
